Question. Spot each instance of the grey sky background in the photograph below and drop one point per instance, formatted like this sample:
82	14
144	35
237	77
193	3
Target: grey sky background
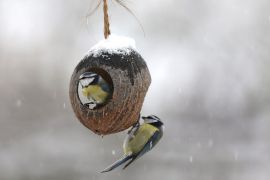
209	62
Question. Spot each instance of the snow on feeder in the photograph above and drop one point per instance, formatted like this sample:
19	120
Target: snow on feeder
116	61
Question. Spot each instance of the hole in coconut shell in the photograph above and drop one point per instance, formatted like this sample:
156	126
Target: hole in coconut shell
95	88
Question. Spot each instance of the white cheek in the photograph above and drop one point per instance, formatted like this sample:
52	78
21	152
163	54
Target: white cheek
83	83
88	81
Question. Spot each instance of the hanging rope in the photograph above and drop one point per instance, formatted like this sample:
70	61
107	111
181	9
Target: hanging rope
107	31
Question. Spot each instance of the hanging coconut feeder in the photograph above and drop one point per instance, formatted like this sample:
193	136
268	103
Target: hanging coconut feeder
123	79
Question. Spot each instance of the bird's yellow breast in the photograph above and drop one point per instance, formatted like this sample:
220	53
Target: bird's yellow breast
141	137
95	92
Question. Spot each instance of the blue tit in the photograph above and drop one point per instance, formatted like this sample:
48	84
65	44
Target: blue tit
140	139
95	88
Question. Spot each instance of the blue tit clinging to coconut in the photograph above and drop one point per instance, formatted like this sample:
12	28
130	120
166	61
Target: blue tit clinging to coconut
140	139
95	88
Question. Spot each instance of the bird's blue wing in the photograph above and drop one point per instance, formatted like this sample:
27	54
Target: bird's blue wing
147	147
117	163
106	88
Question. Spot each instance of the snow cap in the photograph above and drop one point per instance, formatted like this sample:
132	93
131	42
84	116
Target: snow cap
113	45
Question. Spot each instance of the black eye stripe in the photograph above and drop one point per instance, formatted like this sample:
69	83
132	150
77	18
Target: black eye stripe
85	77
88	75
153	117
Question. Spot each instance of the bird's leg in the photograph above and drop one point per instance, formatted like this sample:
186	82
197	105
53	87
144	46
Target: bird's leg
129	131
135	127
137	124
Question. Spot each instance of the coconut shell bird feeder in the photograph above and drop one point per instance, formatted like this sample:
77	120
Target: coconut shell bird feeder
116	60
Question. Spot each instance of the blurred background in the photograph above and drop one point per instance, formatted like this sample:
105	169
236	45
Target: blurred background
209	62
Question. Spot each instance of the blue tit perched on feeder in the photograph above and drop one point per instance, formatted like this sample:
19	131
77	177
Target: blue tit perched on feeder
140	139
94	88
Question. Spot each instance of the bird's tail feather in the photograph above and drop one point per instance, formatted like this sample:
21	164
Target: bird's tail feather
132	159
117	163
